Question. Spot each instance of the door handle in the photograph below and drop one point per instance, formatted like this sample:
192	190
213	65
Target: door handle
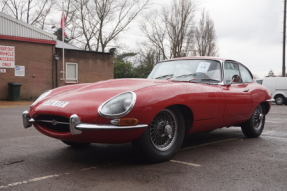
246	90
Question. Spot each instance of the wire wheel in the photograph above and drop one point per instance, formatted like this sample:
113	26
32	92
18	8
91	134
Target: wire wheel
257	117
255	125
163	130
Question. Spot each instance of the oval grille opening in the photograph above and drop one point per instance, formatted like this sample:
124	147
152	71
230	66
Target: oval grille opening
53	122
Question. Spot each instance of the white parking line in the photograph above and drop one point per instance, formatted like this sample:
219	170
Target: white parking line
268	131
209	143
187	163
84	169
31	180
198	165
274	137
41	178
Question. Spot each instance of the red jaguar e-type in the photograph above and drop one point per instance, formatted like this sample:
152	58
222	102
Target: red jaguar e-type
180	96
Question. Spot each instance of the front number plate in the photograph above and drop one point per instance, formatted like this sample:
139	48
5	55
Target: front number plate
56	103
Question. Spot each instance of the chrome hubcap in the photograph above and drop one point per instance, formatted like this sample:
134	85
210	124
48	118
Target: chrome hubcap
257	118
261	117
168	131
163	130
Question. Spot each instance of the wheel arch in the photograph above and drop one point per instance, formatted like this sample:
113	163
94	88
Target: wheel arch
187	115
266	106
279	94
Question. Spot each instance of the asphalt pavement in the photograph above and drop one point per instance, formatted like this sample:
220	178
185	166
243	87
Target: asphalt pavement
220	160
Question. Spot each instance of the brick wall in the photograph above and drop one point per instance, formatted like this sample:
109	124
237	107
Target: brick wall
37	59
40	68
92	66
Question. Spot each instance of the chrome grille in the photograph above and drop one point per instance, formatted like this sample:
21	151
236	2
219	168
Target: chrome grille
53	122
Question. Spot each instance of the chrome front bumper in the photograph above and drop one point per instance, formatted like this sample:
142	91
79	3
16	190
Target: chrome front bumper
76	126
270	100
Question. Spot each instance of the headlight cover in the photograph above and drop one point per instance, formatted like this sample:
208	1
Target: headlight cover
42	96
118	106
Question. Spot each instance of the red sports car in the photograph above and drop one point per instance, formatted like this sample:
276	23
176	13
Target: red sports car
180	96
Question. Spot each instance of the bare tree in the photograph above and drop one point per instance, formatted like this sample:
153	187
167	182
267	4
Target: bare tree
3	5
34	12
94	24
82	23
114	17
205	37
255	76
172	30
147	55
271	74
145	60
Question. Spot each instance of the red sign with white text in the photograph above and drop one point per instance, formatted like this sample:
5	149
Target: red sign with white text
7	56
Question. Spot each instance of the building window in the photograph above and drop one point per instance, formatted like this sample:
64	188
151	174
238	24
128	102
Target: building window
71	72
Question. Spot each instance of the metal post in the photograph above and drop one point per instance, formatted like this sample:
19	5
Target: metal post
284	37
63	32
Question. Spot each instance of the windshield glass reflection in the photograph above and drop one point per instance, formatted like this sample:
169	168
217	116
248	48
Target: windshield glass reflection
188	70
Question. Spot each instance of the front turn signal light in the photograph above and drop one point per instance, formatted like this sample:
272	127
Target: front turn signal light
124	122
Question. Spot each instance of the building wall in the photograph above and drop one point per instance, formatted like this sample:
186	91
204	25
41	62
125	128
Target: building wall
37	59
92	66
40	68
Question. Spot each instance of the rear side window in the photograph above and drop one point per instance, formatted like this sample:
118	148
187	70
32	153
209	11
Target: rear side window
231	70
259	81
245	74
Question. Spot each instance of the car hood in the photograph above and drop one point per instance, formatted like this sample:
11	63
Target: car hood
121	85
86	98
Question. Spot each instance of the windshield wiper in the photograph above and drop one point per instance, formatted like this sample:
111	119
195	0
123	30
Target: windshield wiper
191	74
209	79
166	75
203	80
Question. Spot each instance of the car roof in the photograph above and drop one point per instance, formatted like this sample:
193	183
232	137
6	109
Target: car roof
198	58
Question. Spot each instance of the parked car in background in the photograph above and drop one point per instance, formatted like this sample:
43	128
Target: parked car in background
180	96
277	86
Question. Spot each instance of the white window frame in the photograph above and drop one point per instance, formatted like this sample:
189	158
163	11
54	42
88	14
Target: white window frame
71	80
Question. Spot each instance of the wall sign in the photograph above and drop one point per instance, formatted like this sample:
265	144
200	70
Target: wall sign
19	70
2	70
7	56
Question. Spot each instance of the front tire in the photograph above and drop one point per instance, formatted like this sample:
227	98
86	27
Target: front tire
161	141
76	144
255	125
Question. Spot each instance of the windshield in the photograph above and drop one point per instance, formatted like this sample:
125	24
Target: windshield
187	70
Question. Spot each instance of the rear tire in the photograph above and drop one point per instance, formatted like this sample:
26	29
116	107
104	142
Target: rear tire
76	144
255	125
163	138
280	100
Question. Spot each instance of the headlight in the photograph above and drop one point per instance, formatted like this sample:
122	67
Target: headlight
118	106
42	96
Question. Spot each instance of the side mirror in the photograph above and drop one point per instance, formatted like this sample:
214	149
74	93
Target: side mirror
235	78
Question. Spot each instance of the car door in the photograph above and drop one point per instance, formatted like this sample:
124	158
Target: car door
238	98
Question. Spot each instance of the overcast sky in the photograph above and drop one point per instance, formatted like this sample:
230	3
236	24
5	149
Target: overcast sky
249	31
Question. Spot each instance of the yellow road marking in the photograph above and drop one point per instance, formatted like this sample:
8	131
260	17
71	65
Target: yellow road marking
15	103
14	106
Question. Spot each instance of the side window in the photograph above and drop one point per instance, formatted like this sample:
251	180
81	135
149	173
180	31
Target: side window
214	71
245	75
231	70
259	81
71	72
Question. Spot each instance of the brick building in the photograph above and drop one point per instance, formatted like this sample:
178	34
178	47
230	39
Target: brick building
33	58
